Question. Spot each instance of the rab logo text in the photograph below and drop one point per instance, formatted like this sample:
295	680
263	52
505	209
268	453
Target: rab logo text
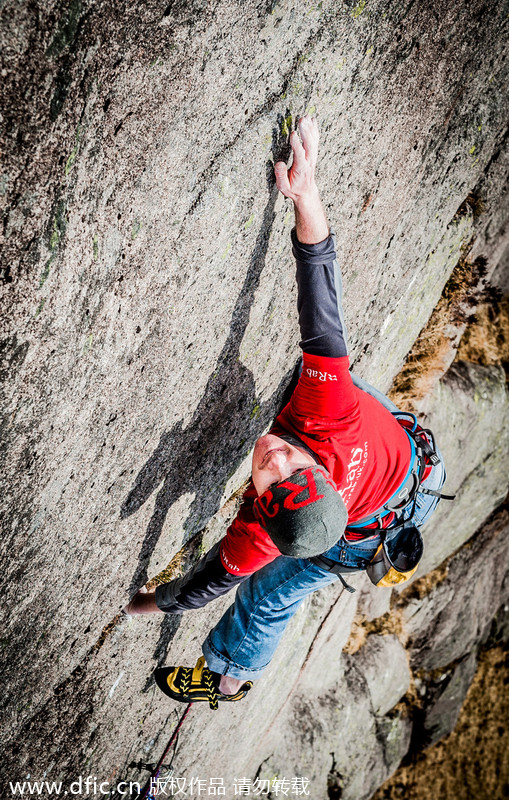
231	567
358	458
292	494
322	376
264	505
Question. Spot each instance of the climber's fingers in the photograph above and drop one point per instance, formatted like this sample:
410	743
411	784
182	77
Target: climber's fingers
298	181
308	129
282	182
299	154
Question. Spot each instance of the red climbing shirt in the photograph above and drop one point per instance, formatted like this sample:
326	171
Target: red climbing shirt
358	441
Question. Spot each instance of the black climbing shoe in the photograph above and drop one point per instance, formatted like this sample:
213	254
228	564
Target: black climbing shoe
192	685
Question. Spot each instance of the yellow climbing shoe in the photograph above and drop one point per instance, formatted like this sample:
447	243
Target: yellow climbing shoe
195	684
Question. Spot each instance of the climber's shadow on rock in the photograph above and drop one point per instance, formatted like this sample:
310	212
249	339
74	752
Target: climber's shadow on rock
200	458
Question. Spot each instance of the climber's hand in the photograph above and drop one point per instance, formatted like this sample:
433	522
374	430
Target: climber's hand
298	182
143	602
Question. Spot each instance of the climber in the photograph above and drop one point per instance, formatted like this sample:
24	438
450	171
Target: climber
337	475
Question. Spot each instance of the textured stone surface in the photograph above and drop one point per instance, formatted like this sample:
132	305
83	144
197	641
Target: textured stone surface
149	329
446	624
444	705
374	601
384	664
469	413
323	731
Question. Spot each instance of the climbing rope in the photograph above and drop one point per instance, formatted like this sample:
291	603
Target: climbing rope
147	791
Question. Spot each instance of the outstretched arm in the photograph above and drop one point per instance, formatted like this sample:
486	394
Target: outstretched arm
318	274
206	581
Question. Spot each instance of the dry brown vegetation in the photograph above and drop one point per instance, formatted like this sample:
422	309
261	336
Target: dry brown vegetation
472	761
423	586
389	623
486	340
434	348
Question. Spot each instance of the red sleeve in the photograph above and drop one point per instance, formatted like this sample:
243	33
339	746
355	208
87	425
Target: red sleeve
247	546
325	390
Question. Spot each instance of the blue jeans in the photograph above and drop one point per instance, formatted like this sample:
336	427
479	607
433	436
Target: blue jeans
246	637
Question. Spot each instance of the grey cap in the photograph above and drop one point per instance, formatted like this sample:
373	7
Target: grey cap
304	515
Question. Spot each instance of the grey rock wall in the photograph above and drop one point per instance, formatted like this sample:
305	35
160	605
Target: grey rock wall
149	331
468	412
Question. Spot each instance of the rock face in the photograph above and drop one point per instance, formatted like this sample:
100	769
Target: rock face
150	331
446	626
469	415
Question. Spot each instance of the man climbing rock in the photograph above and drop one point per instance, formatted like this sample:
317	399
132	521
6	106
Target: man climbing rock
339	484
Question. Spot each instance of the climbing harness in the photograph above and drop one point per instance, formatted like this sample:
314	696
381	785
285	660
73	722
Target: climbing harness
337	568
404	499
400	545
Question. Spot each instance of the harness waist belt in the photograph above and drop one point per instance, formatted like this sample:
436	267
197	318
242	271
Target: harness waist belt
334	566
337	569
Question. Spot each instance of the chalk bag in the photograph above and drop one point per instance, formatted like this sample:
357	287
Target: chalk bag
397	557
